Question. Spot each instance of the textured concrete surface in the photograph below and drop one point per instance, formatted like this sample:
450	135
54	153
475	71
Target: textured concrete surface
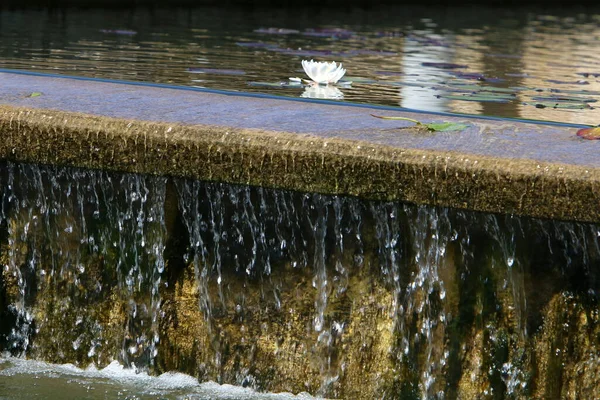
494	166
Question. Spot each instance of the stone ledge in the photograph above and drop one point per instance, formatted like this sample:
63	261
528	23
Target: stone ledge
302	162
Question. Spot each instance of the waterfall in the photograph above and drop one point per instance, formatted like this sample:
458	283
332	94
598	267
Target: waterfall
65	227
279	290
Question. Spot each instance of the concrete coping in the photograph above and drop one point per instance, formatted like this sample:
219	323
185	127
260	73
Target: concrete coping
495	165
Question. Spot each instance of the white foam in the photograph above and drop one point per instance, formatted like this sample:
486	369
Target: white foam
169	384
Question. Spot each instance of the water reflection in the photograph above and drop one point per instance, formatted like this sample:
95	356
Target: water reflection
533	64
413	94
322	92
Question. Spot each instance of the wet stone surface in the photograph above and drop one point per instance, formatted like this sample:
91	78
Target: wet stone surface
503	138
286	291
492	166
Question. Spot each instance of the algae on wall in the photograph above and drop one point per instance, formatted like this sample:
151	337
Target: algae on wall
285	291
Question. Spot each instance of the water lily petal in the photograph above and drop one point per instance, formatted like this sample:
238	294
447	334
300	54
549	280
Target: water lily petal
323	72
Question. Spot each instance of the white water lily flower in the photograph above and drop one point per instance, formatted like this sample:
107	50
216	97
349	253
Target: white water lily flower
323	72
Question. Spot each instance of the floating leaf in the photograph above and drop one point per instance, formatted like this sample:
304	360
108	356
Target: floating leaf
580	82
558	105
446	126
281	84
548	18
389	34
477	88
359	79
126	32
468	75
443	65
396	118
35	94
277	31
409	84
368	52
588	74
432	126
267	84
474	76
589	133
500	55
428	41
564	99
216	71
305	53
576	91
258	45
483	98
334	33
394	73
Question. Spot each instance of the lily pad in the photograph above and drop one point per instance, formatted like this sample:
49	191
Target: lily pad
564	99
482	98
258	45
35	94
277	31
359	79
578	91
589	133
369	52
588	74
559	105
394	73
443	65
306	53
500	55
333	33
292	84
579	82
125	32
428	41
432	126
477	88
216	71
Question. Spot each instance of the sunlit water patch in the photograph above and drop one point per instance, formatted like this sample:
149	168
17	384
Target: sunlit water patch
504	62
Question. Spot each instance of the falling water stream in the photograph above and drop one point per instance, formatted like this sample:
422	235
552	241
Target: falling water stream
287	292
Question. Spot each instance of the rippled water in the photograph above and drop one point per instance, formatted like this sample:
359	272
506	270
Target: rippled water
513	63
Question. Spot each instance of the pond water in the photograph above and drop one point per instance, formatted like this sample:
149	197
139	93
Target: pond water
535	64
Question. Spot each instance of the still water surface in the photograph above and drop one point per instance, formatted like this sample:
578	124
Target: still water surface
537	64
